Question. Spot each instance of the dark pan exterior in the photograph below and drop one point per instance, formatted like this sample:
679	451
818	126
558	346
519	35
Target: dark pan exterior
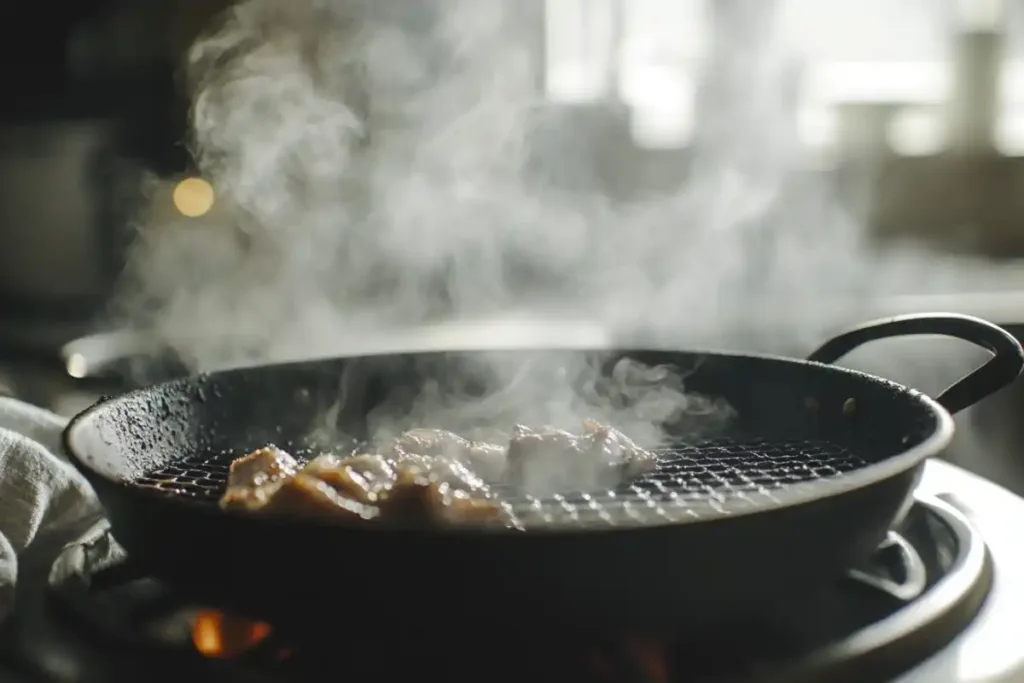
652	579
710	570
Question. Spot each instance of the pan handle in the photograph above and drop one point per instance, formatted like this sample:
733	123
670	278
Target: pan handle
1004	367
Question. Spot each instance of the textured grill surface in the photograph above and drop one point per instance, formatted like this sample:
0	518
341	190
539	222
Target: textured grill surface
709	479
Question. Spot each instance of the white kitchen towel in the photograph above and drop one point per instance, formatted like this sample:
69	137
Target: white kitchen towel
45	502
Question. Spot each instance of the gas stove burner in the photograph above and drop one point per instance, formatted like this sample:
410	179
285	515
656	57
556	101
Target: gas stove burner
921	588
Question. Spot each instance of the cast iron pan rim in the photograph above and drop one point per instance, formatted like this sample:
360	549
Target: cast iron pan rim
792	496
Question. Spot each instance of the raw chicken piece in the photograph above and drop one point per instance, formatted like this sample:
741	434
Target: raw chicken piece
253	478
487	460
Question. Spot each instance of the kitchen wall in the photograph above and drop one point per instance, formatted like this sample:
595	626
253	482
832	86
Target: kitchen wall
931	93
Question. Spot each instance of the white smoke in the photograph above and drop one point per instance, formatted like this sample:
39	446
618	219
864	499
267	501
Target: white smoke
395	162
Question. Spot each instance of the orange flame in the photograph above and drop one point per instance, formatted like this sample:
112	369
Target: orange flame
650	657
218	635
222	636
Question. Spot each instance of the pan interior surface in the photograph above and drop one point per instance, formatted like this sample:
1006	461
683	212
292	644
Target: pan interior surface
692	481
801	431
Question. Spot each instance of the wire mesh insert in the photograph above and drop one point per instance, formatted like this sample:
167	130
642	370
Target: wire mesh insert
692	481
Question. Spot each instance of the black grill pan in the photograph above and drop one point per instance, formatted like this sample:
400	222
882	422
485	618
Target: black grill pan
805	482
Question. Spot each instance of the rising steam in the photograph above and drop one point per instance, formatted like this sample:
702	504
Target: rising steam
382	163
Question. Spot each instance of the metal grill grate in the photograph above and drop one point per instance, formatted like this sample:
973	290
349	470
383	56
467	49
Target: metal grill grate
712	478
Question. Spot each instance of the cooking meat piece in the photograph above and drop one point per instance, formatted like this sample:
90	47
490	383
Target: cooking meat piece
306	495
550	460
261	466
610	446
430	442
441	471
360	477
487	460
436	479
370	465
433	490
547	461
414	488
429	476
270	480
253	478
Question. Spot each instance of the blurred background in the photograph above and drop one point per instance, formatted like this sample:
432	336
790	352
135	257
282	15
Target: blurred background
929	93
932	90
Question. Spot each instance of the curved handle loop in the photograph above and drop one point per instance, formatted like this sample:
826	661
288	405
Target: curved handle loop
1004	367
915	578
